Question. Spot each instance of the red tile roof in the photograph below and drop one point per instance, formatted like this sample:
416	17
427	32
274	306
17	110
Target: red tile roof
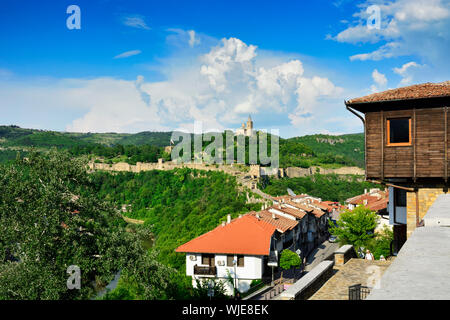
360	199
297	213
281	223
322	206
300	206
378	205
245	235
333	205
318	213
417	91
308	208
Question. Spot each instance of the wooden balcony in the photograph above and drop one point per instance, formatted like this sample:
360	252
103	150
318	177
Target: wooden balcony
205	271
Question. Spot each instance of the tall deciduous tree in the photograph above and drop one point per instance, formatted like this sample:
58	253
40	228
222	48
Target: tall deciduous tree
355	227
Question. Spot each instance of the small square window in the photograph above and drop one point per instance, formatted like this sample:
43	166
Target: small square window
208	259
399	132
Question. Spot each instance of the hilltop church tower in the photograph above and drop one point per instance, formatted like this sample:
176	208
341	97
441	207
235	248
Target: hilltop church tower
246	128
249	123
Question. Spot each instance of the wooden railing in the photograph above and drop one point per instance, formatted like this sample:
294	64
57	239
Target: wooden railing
205	271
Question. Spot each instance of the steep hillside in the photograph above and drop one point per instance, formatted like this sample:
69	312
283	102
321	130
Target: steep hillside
182	202
349	146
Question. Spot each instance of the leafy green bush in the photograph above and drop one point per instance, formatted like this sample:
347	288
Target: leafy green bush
381	243
255	282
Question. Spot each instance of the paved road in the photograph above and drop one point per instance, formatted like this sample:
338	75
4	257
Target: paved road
319	254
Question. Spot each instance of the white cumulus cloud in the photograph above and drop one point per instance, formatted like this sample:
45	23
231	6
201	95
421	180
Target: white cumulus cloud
220	88
405	72
407	27
380	81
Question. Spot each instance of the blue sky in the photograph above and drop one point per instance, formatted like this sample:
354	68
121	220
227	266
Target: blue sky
162	65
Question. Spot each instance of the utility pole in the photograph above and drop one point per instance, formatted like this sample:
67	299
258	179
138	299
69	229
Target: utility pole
234	289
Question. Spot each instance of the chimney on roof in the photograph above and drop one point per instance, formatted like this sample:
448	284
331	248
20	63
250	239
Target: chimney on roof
365	202
223	223
240	215
228	218
365	191
257	216
274	217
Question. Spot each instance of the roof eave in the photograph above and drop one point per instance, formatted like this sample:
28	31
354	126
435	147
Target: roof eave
361	106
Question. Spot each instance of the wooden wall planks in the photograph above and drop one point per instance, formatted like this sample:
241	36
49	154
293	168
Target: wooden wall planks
425	158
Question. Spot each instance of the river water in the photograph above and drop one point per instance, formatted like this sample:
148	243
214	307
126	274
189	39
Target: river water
147	243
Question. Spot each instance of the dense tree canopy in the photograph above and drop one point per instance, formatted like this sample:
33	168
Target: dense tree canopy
178	205
355	227
329	187
50	219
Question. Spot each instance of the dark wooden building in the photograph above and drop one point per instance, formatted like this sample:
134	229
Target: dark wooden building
407	141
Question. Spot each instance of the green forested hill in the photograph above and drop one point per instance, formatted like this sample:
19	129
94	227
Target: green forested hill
349	146
306	151
179	205
16	136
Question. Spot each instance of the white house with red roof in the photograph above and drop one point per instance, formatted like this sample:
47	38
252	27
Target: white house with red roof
240	248
243	247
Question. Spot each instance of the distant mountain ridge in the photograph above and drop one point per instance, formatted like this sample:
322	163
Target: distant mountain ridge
16	136
304	151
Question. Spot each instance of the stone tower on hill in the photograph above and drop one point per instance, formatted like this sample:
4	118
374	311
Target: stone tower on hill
246	128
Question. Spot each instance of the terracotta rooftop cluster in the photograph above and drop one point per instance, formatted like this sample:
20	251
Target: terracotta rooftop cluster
375	199
309	204
251	233
418	91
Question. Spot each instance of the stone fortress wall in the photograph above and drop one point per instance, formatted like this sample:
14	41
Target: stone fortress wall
254	171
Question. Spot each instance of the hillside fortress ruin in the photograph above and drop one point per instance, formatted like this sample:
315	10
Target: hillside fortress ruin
246	129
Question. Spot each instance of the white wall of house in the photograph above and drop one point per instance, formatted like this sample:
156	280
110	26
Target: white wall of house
192	259
252	269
